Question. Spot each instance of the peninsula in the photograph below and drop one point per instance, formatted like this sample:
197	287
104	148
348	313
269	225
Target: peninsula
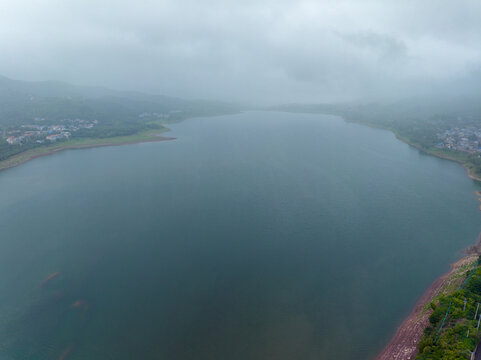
41	118
24	156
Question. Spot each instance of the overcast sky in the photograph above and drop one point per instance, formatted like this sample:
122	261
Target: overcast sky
255	51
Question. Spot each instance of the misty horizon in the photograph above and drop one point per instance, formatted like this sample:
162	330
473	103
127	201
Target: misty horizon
256	52
255	180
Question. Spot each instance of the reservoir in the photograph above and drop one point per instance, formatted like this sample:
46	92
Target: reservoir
260	235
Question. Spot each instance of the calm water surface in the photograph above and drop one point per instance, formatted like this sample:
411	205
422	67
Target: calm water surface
253	236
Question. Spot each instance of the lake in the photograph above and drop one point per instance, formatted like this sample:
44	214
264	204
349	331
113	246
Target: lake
260	235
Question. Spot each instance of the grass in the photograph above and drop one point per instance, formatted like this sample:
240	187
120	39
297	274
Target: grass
142	136
457	156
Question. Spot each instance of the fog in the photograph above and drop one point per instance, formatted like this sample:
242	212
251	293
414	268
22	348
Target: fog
259	51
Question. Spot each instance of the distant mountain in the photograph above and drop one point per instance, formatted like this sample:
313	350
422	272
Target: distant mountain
419	120
52	89
404	109
22	101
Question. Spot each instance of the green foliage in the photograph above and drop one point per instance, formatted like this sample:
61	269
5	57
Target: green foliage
117	112
474	285
7	150
459	336
416	121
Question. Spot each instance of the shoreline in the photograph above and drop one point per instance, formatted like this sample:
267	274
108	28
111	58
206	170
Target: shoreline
420	148
404	345
441	156
35	153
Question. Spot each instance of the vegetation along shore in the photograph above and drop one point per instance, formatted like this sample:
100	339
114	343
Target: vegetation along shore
443	324
449	128
39	118
418	337
144	136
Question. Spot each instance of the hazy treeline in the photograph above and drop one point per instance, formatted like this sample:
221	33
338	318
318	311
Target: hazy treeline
118	113
417	120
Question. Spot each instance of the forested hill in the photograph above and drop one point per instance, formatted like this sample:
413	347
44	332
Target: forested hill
445	126
38	115
22	101
417	118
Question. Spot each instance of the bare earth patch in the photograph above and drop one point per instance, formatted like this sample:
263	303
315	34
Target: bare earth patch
404	344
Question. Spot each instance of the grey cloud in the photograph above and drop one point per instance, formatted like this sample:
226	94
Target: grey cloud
385	47
256	51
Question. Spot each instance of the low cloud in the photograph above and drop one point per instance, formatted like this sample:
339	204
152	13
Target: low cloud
253	51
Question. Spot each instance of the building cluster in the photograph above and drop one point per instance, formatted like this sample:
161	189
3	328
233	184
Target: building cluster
42	133
467	139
